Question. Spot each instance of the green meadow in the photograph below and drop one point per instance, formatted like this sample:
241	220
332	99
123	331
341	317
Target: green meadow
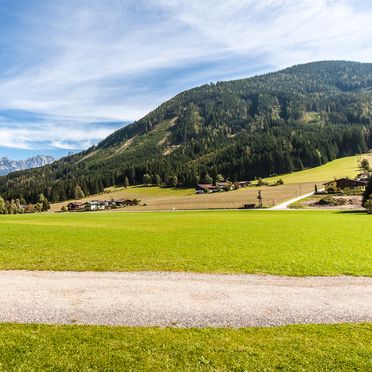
272	242
339	168
345	347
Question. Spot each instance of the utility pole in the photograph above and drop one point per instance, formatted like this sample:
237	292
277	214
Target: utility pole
260	198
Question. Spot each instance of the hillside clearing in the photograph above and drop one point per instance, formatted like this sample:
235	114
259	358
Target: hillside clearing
272	242
343	167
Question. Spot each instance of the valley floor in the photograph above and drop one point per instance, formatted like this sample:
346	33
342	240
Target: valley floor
301	247
157	199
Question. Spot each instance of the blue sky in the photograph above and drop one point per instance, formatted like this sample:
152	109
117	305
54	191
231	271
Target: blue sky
71	72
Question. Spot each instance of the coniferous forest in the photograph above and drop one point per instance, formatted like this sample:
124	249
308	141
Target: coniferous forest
280	122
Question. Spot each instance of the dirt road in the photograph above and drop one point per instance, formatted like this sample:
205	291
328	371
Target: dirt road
181	299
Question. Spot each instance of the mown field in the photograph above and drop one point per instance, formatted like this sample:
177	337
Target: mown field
272	242
344	347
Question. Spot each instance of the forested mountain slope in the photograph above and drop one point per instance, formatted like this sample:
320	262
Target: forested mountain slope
299	117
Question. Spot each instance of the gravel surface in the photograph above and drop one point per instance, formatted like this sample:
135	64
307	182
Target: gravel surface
181	299
286	204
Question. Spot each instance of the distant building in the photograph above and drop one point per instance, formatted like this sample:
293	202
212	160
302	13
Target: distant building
344	184
204	188
227	186
94	206
75	206
240	184
364	176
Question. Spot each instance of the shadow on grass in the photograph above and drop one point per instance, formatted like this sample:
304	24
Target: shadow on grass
354	212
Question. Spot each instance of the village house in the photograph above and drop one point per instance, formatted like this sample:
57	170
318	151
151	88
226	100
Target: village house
240	184
202	188
75	206
95	205
365	176
226	186
344	184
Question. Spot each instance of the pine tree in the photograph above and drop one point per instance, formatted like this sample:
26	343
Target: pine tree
146	179
365	165
44	202
78	192
157	180
220	178
172	181
126	182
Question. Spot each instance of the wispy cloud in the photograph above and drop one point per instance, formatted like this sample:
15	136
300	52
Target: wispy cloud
90	61
53	133
283	32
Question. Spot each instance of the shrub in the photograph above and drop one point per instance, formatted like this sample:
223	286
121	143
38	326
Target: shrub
368	205
331	201
279	182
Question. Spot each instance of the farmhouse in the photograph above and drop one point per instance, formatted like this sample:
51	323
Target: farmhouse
95	205
204	188
240	184
75	206
365	176
227	186
344	184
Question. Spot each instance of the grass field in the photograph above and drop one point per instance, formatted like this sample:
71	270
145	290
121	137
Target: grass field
343	347
343	167
150	191
275	242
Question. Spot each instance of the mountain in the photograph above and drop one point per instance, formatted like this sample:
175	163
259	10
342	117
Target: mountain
8	166
299	117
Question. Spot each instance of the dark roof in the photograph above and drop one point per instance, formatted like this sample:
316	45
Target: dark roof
205	186
346	182
76	203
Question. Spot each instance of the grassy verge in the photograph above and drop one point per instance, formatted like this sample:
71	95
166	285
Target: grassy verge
343	347
274	242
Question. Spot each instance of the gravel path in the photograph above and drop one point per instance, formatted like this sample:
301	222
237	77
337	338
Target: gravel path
285	205
181	299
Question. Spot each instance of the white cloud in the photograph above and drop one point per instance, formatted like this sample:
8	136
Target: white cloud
57	135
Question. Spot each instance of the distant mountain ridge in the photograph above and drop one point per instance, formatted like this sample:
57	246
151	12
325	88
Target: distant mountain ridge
296	118
7	165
